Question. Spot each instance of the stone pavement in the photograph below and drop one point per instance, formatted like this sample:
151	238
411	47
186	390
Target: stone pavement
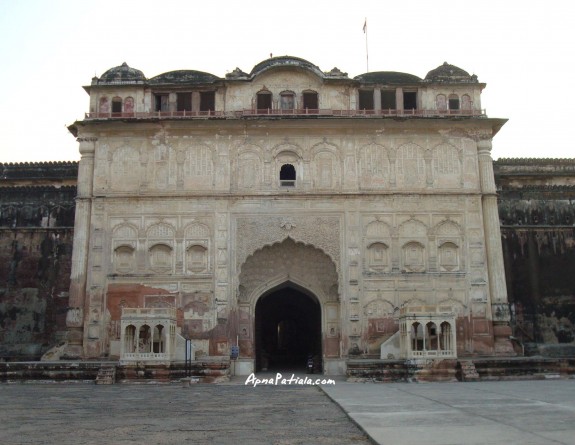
486	413
146	414
531	412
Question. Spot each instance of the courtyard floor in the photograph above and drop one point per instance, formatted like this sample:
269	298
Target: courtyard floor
517	412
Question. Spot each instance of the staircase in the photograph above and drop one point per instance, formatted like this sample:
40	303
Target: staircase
468	371
106	375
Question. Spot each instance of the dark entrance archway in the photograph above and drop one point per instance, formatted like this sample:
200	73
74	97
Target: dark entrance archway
287	330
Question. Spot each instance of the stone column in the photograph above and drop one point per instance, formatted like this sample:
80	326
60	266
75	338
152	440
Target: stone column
77	300
495	266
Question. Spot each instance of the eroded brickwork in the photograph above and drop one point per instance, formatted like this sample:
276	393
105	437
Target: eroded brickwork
537	211
36	236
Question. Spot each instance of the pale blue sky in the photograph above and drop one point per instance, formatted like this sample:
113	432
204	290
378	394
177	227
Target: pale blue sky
49	49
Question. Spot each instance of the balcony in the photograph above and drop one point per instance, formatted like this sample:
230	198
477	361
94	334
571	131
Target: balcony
247	113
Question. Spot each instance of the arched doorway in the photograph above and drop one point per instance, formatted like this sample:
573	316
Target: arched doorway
287	329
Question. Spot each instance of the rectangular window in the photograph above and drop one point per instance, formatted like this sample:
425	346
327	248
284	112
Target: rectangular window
116	106
388	100
366	99
184	101
161	102
310	101
287	102
264	101
409	100
207	101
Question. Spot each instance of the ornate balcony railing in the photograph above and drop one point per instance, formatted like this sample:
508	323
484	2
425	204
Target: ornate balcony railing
290	112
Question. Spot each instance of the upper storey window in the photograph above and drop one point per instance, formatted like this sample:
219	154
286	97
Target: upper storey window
310	101
287	100
184	101
264	100
161	102
410	100
366	99
287	175
117	105
207	101
453	102
388	100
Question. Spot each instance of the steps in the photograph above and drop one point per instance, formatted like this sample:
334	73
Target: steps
106	375
468	371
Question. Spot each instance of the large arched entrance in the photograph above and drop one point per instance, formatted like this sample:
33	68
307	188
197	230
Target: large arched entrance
288	307
287	330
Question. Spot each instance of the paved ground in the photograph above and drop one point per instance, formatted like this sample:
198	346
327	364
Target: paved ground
482	413
82	414
486	413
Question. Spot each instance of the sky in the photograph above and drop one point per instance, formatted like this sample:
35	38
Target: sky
523	51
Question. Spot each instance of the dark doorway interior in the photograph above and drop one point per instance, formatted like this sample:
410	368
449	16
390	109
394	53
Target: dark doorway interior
287	330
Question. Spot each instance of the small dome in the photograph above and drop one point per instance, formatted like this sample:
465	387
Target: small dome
285	61
449	73
183	76
122	74
388	78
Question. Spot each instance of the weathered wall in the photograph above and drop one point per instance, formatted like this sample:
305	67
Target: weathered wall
537	212
36	231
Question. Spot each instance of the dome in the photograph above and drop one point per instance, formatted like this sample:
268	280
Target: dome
122	74
388	77
285	61
449	73
184	76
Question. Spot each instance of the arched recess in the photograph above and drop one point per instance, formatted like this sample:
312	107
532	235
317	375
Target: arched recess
281	270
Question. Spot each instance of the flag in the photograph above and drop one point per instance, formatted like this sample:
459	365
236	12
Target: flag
365	26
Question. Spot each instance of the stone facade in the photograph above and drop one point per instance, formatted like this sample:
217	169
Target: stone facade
359	196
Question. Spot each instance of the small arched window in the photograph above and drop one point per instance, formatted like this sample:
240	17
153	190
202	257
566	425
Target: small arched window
129	105
117	105
466	102
453	102
264	101
287	175
441	102
104	105
287	100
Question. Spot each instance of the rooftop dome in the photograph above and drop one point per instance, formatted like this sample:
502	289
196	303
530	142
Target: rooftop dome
285	61
387	77
183	76
449	73
122	74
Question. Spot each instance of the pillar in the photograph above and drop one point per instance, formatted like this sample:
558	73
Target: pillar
494	251
77	299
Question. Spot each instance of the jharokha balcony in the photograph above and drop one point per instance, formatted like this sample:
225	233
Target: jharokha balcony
286	112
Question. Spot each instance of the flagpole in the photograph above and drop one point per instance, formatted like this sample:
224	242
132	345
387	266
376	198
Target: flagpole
366	51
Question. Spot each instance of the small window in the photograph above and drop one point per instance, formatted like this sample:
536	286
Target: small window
310	101
388	100
264	100
287	101
207	101
161	102
184	101
366	99
117	105
466	102
441	102
129	105
409	100
287	175
453	102
104	105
